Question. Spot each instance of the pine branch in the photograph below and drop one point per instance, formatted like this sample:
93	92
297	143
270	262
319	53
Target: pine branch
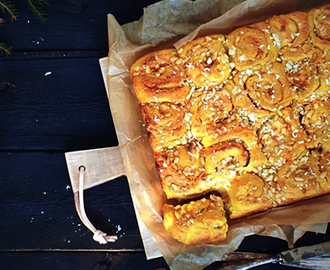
71	1
9	7
38	7
5	49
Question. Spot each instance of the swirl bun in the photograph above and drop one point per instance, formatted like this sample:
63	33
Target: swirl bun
244	116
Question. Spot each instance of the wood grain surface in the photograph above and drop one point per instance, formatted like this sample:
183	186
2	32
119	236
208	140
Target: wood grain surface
53	100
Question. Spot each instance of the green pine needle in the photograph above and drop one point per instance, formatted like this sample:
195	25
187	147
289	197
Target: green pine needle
8	7
5	49
38	7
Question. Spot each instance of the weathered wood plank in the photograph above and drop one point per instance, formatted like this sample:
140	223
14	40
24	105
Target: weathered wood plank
52	100
57	105
37	208
81	26
93	261
78	261
37	55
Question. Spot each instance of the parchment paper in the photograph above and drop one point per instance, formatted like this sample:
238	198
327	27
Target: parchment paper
164	24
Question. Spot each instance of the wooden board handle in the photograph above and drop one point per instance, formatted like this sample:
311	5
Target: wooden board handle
101	165
88	169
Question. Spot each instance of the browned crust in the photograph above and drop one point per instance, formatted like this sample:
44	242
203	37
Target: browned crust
258	133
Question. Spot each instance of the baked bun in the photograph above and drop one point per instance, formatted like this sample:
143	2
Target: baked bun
208	60
245	115
251	45
198	222
318	19
159	77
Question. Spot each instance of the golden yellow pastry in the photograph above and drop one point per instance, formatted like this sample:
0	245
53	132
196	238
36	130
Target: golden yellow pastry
181	170
159	77
304	78
241	138
324	164
324	75
197	222
244	115
211	111
319	22
315	119
248	194
267	87
291	34
165	123
251	45
222	159
208	60
301	179
282	138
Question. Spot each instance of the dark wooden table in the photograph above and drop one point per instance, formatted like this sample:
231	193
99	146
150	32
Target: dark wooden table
53	100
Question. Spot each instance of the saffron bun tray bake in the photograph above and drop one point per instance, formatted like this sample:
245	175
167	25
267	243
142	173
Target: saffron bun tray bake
238	123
